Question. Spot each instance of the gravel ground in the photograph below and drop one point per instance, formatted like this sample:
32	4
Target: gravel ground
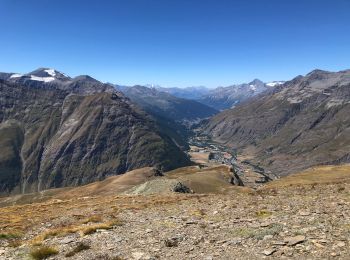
309	222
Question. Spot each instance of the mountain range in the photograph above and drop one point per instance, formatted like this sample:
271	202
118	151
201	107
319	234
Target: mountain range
46	78
57	131
222	98
302	123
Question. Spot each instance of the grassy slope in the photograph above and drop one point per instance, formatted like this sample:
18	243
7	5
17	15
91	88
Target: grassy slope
110	186
313	176
102	199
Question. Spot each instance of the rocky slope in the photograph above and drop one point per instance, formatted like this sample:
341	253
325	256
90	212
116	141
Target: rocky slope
227	97
67	135
278	221
301	123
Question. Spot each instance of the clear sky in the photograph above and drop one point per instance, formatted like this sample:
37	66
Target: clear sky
176	42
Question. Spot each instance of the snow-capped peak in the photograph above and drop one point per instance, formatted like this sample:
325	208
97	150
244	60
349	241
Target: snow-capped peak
44	79
44	75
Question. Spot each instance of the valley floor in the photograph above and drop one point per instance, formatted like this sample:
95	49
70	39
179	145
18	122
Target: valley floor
207	153
305	216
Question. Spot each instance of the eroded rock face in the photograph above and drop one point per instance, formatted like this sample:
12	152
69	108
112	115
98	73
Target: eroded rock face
302	123
54	138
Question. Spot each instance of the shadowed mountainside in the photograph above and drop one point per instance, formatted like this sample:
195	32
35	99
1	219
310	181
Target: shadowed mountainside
55	138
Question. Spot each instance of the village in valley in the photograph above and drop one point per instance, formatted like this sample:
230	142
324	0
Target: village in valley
206	153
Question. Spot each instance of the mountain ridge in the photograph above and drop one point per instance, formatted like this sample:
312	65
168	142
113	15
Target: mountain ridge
223	98
297	125
55	136
219	98
53	79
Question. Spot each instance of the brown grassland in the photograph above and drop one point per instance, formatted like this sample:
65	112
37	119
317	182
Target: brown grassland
83	210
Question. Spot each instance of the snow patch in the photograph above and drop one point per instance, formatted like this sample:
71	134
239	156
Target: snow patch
16	76
51	72
274	84
44	79
252	87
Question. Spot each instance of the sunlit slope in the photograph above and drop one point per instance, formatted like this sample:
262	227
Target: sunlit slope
313	176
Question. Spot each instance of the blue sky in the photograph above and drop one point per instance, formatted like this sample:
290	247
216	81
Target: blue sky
176	42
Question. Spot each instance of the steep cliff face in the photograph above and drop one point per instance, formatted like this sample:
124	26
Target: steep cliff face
303	123
54	138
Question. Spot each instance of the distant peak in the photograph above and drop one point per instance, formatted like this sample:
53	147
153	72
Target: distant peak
86	78
318	72
256	81
140	86
48	72
143	88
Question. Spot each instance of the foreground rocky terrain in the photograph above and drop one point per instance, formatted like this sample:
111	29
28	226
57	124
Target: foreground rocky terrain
303	216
